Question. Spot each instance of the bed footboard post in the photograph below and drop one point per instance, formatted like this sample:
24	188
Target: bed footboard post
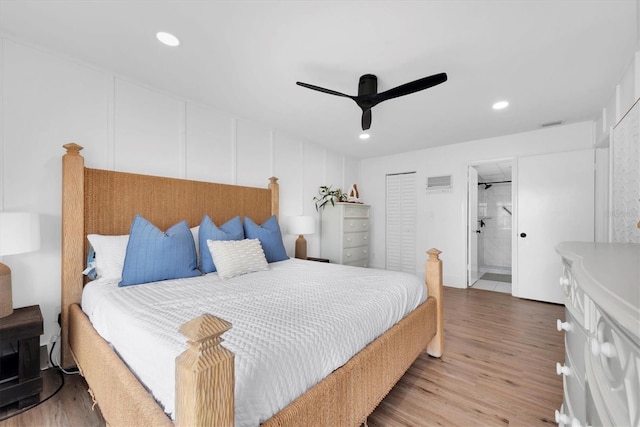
433	277
72	241
205	375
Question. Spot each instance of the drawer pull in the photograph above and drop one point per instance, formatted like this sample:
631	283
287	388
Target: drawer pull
563	370
564	281
562	418
348	254
364	238
563	326
364	224
348	239
606	349
364	251
566	420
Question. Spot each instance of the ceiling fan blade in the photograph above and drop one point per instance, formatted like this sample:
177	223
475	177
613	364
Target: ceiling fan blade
321	89
411	87
366	119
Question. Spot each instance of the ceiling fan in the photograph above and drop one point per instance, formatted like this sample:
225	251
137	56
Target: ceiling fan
368	96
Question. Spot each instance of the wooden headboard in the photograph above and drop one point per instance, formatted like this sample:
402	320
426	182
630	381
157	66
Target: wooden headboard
105	202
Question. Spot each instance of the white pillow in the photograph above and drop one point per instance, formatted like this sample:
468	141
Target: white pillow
110	252
235	257
195	231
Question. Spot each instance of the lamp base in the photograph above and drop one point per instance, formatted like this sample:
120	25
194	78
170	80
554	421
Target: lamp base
301	247
6	300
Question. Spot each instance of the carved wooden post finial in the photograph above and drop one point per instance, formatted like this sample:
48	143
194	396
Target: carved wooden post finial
434	253
433	277
73	148
204	375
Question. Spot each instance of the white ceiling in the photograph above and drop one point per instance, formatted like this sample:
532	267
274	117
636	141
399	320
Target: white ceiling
553	60
494	172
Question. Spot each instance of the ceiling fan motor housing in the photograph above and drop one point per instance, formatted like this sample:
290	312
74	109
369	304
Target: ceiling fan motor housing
368	85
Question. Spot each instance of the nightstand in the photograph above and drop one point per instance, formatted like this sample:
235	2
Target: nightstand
20	379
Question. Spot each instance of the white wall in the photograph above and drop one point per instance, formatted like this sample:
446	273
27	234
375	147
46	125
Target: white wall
49	100
442	216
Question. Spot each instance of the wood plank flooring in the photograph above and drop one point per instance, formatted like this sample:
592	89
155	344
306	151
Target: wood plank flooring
498	369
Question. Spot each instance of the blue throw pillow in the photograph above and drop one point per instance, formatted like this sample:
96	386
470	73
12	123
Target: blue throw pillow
270	238
230	230
154	255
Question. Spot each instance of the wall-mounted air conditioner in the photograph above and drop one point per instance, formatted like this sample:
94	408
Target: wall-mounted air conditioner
439	184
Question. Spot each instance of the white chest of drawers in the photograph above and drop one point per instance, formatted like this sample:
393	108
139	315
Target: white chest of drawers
601	286
345	234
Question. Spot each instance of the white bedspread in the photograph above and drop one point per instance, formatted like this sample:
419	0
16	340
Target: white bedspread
292	325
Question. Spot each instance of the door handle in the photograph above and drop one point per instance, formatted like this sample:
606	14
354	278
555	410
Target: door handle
523	234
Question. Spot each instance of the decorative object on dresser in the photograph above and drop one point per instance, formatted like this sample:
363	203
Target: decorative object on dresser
601	371
345	234
301	225
19	233
353	195
327	195
20	379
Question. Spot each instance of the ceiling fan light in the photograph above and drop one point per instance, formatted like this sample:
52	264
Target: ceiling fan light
364	136
167	39
500	105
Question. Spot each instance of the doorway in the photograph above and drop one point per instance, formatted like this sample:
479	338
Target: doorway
490	225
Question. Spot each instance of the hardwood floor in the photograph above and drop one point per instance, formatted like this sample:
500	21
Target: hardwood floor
498	369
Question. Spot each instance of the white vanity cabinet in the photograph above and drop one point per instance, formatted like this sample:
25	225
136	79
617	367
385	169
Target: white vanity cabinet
345	234
601	370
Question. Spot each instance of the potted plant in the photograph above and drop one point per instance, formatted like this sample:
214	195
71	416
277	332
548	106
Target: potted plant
327	195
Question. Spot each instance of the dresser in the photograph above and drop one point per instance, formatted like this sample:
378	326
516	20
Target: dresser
345	234
601	370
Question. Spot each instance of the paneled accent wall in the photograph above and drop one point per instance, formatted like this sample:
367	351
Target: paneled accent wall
625	173
49	100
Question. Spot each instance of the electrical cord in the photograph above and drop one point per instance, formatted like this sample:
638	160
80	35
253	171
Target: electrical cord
57	366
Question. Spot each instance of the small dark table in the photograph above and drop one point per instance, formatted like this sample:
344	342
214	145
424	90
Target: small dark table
317	259
20	379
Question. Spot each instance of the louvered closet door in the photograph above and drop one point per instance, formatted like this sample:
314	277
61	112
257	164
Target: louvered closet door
401	222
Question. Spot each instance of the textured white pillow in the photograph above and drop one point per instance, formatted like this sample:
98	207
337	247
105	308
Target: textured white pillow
110	252
235	257
194	232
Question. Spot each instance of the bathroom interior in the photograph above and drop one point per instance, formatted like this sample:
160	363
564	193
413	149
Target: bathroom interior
495	211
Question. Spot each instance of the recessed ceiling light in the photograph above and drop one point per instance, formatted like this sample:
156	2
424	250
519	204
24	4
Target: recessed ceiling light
168	39
500	105
364	135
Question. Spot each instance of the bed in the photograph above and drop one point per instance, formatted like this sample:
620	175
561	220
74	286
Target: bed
104	202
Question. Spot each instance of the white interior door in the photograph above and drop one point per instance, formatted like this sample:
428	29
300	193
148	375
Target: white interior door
555	204
472	227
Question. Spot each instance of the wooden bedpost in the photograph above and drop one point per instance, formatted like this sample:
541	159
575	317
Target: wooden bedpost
72	240
275	196
205	375
433	277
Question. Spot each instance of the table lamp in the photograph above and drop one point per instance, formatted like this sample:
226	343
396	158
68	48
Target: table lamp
19	233
302	225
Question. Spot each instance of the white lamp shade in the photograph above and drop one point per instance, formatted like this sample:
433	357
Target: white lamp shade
302	225
19	232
